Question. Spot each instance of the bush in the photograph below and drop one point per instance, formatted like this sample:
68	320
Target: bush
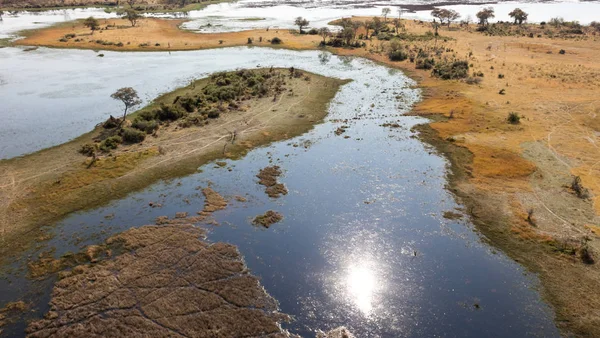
146	126
169	113
313	31
110	143
250	41
397	55
131	135
69	36
451	70
473	80
501	76
88	149
562	52
276	41
513	118
147	115
425	63
502	91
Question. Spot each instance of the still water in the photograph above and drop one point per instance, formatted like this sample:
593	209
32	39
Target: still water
363	242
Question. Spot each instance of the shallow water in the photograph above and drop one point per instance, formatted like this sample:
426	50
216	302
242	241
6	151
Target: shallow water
227	17
363	242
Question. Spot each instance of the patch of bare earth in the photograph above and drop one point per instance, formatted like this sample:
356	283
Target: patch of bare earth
268	177
168	282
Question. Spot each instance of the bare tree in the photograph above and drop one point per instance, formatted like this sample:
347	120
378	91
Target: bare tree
396	22
400	12
129	97
301	22
519	15
385	12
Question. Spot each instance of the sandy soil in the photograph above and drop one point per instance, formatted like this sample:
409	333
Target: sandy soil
41	188
500	171
158	34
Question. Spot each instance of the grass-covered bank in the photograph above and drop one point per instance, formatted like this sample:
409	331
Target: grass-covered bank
43	187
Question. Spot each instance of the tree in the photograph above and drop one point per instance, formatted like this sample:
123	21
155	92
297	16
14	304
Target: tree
348	34
400	12
131	3
1	13
129	97
385	12
396	22
368	24
301	22
132	15
445	15
91	23
324	33
377	25
519	15
484	15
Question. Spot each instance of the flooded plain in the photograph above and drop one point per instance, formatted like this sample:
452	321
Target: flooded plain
363	243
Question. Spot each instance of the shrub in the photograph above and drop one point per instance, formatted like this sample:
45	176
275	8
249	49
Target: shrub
451	70
313	31
213	114
473	80
147	115
397	55
425	63
578	188
119	44
146	126
501	76
513	118
250	41
69	36
131	135
170	113
110	143
63	40
276	41
502	91
88	149
562	52
192	120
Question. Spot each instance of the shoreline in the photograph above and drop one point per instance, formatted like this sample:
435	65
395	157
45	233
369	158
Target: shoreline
51	183
495	183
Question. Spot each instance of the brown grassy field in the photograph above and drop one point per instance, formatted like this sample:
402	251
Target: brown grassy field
515	179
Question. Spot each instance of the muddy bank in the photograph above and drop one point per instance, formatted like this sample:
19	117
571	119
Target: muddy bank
167	282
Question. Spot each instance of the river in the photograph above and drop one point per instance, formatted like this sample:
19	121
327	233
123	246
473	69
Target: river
363	242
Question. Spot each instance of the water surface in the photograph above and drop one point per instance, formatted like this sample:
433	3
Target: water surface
363	242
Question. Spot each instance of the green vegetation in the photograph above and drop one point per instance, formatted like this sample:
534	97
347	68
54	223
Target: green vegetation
513	118
451	70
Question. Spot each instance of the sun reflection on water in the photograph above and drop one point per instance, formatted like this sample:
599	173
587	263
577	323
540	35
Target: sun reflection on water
362	285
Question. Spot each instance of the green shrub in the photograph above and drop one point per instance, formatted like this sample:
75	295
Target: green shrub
131	135
88	149
513	118
147	115
276	41
110	143
169	113
451	70
397	55
146	126
425	63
